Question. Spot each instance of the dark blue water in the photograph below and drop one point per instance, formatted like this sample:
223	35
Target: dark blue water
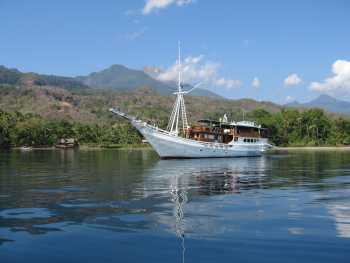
128	206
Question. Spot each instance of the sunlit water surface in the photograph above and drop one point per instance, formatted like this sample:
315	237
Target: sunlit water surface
129	206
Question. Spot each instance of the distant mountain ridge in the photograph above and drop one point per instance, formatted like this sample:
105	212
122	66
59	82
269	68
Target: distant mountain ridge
119	77
325	102
16	77
116	77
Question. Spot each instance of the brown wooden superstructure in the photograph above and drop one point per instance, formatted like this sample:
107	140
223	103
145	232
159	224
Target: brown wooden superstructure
224	132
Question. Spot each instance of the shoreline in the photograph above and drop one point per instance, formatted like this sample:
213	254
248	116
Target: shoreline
84	147
312	148
146	146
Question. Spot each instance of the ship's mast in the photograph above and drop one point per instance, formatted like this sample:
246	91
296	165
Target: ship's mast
179	109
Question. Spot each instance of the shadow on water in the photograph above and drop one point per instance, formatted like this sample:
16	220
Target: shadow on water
45	187
124	191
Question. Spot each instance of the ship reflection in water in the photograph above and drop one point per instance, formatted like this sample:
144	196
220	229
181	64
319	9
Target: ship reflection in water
184	178
130	206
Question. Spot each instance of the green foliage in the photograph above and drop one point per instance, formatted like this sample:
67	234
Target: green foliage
288	127
18	129
66	82
6	122
312	127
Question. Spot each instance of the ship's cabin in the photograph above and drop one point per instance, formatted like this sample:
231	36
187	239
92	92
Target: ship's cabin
225	132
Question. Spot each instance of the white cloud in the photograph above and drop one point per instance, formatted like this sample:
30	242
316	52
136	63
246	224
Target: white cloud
195	69
290	99
153	71
154	5
256	82
228	83
292	80
339	83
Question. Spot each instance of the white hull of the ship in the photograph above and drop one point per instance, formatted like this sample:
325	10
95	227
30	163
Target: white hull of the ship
171	146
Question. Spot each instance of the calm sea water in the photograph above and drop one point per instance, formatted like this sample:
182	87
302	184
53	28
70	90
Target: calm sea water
129	206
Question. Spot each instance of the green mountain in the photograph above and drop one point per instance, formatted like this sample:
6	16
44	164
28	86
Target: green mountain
18	78
119	77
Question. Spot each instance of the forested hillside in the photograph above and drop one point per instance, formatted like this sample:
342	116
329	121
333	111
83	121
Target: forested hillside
17	78
38	109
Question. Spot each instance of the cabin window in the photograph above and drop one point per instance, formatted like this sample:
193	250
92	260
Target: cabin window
245	140
236	139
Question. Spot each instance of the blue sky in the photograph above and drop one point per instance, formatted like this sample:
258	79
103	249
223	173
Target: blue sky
227	43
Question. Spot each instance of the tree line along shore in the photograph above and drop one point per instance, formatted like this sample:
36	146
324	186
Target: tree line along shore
18	129
287	128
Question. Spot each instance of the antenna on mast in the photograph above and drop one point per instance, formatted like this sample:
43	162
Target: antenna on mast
179	65
178	113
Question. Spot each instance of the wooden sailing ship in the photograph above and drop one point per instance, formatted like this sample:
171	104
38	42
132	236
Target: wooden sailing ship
205	139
